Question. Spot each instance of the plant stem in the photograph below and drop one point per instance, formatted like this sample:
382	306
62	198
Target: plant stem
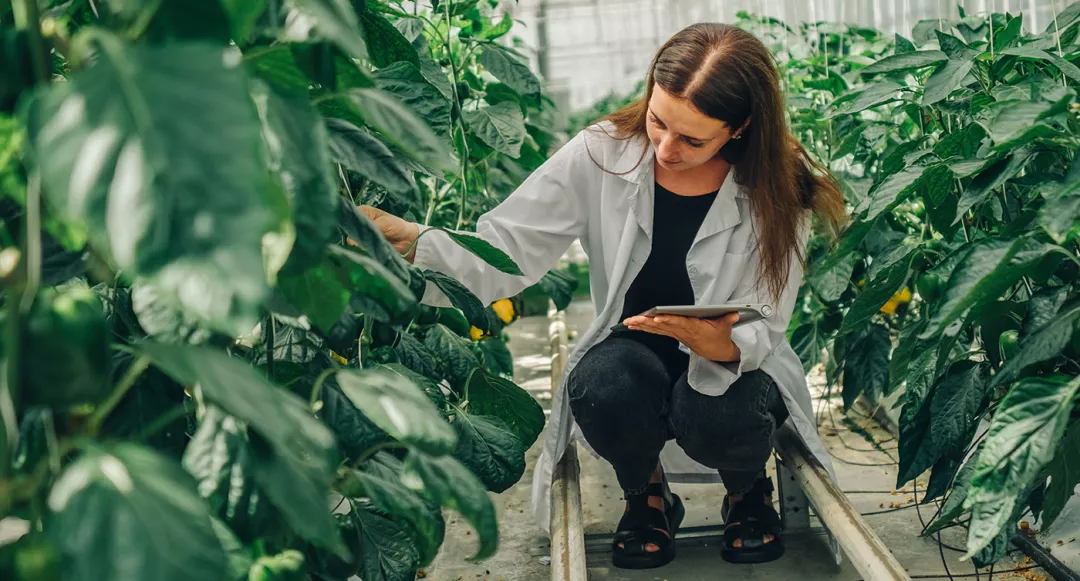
270	346
28	18
460	122
316	389
375	450
125	385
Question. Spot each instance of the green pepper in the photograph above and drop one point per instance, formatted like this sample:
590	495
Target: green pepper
454	320
930	286
1008	344
65	351
289	565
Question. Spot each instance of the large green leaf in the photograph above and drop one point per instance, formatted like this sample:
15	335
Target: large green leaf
954	405
399	407
877	93
498	359
1042	308
954	504
560	287
1064	475
489	395
915	447
945	80
809	340
988	269
501	126
866	367
452	353
832	276
1027	52
300	446
1022	437
408	83
166	180
381	478
1015	123
355	433
375	290
385	43
387	550
117	513
990	178
333	20
162	320
905	62
508	68
903	354
462	298
891	192
317	292
416	356
222	459
955	48
1043	344
448	483
485	251
238	556
297	154
361	152
488	448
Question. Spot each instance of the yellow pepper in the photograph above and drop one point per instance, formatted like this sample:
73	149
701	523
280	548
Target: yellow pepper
339	358
504	309
901	296
475	333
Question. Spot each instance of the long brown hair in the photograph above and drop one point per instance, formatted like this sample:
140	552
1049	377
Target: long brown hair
728	74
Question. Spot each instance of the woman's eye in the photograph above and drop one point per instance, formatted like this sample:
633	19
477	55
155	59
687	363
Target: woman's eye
694	143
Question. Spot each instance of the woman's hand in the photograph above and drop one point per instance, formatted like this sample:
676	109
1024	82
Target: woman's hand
709	338
400	233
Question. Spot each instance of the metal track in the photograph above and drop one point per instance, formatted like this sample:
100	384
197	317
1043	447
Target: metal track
567	528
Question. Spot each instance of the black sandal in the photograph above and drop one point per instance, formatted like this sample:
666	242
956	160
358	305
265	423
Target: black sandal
643	525
754	519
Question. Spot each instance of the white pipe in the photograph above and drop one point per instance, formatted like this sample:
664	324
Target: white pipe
567	526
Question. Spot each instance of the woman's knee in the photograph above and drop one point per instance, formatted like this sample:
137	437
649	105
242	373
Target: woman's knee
618	375
731	431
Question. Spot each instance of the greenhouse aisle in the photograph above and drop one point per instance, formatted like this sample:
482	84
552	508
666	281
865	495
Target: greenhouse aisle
864	457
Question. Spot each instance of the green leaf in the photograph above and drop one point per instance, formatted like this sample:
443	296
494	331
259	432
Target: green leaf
452	353
890	193
1041	345
877	292
359	151
333	20
903	45
964	143
108	511
989	268
375	291
915	447
415	356
355	433
1059	217
500	29
448	483
385	43
437	76
317	292
238	557
430	387
400	126
1023	436
905	62
243	16
945	80
955	48
990	179
954	504
386	548
877	93
489	395
808	341
461	298
381	479
1065	19
485	251
1010	33
1015	123
123	150
507	67
903	354
297	154
399	407
954	405
301	448
560	287
1064	475
866	368
162	320
488	448
832	277
497	357
1026	52
501	126
1043	309
407	82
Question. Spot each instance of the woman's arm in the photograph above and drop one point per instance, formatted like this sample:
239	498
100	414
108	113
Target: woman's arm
534	226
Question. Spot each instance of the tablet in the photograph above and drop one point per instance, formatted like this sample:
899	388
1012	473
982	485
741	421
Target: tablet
748	313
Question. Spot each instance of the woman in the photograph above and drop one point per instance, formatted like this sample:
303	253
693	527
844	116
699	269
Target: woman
697	194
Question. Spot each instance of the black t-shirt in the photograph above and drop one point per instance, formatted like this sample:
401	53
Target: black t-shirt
663	279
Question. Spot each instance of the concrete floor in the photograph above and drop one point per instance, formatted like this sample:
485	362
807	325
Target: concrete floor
864	456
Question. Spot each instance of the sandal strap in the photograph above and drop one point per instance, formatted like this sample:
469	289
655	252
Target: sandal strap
641	525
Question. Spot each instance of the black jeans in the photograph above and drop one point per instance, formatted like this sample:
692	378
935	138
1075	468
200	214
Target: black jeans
629	401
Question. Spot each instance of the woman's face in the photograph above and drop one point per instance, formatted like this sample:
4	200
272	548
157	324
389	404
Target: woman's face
684	137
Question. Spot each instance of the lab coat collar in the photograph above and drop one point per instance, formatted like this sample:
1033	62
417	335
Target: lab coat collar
723	214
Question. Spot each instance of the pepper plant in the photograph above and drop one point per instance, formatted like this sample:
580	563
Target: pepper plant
956	279
214	366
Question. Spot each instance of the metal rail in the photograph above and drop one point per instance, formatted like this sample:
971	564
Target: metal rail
868	554
567	528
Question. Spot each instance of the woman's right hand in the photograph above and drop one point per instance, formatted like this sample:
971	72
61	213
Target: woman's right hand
400	233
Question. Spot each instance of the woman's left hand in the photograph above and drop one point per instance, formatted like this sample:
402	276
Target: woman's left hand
709	338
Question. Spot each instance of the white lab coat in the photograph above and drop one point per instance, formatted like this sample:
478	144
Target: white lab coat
570	198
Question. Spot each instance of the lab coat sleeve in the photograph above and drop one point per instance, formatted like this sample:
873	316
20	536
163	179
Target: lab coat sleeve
534	226
757	340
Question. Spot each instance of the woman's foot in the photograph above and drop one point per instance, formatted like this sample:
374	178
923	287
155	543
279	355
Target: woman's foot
657	502
752	526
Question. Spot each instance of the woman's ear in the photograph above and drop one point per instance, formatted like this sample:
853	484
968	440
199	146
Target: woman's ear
740	130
